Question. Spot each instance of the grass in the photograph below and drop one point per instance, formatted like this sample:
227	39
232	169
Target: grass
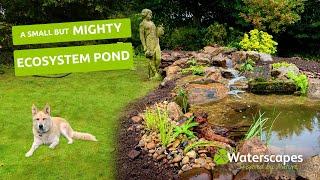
91	102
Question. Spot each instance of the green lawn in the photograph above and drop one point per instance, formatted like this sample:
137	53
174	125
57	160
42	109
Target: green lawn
91	102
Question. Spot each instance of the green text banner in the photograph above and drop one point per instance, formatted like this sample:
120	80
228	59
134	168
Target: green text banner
71	31
73	59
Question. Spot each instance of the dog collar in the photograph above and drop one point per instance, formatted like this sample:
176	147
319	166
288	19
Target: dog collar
40	133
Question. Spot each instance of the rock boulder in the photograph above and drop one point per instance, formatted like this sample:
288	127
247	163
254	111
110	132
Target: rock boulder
206	93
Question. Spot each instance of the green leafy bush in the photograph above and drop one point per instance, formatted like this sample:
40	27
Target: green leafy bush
300	80
234	37
185	38
216	34
247	66
195	70
258	41
281	64
185	128
271	14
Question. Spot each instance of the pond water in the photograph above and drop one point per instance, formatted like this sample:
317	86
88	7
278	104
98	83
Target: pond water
296	129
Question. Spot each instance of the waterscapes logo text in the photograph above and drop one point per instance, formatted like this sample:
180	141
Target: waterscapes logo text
280	158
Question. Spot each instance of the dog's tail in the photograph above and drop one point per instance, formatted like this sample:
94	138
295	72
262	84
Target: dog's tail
83	136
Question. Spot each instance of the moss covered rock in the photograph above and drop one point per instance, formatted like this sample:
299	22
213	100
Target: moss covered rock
272	87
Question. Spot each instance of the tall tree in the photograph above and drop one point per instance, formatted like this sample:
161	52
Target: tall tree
272	15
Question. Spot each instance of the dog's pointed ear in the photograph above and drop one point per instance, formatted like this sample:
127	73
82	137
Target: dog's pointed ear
34	110
47	109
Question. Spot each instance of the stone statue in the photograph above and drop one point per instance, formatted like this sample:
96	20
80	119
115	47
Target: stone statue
149	36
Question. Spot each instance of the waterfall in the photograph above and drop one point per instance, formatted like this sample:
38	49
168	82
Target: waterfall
235	74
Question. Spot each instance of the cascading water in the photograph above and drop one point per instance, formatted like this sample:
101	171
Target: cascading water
235	74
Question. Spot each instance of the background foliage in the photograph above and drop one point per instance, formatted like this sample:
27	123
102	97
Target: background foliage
294	24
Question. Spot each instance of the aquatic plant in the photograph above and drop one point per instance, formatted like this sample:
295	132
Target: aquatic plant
257	127
202	144
269	133
195	70
185	128
182	94
247	66
300	80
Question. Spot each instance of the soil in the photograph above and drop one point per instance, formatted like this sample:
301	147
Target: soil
143	167
303	65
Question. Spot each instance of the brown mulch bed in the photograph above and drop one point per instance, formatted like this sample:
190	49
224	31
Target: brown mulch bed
143	167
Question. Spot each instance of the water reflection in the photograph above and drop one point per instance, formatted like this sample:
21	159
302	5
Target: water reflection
296	130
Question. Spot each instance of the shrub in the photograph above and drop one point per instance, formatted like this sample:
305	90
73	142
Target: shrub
234	37
192	62
186	38
216	34
271	14
135	37
300	80
258	41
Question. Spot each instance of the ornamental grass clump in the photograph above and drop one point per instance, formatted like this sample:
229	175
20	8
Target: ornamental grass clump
151	119
165	127
158	120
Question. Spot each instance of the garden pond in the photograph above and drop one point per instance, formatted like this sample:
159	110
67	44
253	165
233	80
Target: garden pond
296	129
